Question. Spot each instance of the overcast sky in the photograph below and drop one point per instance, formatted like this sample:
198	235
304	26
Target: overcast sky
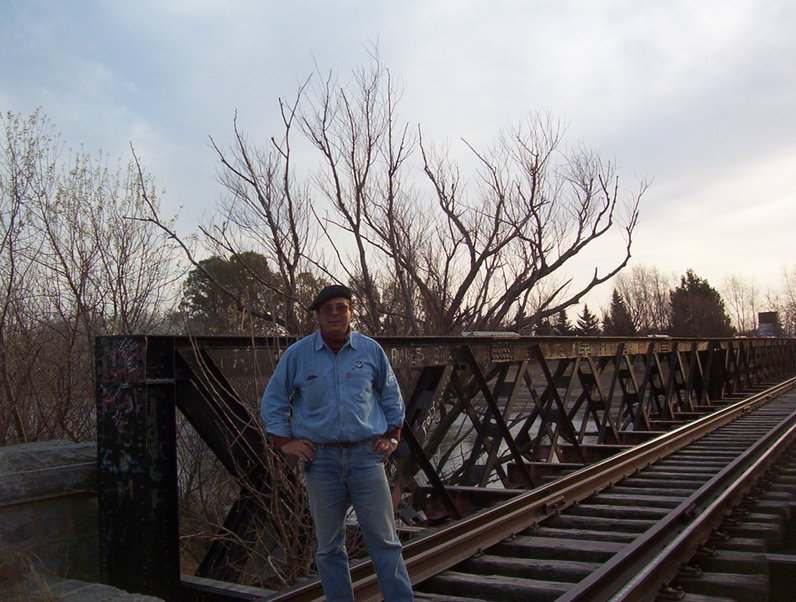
698	97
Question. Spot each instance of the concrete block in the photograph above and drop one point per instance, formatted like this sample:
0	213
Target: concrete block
48	510
45	454
17	526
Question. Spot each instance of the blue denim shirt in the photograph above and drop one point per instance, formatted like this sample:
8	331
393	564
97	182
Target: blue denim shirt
350	396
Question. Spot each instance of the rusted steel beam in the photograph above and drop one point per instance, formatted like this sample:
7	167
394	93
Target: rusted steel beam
528	399
137	465
210	404
669	392
557	411
495	415
416	352
444	548
215	410
598	406
419	455
509	389
615	361
686	363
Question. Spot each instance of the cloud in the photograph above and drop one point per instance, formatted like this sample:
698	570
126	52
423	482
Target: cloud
698	97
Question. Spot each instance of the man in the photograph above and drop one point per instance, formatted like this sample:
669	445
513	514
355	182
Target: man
333	402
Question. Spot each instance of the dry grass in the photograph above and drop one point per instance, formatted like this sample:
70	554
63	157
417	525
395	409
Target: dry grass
22	580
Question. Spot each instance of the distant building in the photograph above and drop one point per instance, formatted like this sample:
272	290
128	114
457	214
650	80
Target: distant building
768	324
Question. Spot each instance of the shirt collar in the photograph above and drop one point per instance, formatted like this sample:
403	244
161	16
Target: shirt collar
319	344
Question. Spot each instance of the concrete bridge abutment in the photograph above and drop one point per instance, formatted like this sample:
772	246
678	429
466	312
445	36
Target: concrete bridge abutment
49	530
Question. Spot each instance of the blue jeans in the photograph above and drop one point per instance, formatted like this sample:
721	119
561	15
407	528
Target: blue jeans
336	479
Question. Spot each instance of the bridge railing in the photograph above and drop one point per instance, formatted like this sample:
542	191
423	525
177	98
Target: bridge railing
486	413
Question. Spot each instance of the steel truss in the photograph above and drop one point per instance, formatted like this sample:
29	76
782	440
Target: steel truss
485	416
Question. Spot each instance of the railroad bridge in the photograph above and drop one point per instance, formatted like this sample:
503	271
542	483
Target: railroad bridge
531	468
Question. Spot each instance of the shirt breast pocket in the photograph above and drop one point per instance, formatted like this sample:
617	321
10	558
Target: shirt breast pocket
313	392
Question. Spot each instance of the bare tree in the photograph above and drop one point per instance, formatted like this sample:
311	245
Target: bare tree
26	163
267	209
449	259
77	262
535	208
360	197
646	292
364	151
426	250
787	305
743	300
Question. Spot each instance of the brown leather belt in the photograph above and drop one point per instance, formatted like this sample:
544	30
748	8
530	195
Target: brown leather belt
345	444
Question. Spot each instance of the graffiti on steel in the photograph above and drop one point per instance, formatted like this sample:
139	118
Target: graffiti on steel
121	360
432	355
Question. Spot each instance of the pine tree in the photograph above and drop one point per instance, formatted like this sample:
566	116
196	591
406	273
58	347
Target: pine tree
588	324
561	325
618	321
698	310
543	328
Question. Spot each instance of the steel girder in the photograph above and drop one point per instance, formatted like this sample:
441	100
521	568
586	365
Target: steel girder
483	413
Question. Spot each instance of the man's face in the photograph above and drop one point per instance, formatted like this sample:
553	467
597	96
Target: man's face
334	317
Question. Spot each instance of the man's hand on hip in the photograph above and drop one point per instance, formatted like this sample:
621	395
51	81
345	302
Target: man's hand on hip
302	448
383	445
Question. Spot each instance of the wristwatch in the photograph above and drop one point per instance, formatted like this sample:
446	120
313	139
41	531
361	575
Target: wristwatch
394	441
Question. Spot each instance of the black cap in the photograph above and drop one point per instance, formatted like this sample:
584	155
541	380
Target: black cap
330	292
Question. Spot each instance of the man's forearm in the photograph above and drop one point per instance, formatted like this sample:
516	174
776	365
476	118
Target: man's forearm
279	440
393	433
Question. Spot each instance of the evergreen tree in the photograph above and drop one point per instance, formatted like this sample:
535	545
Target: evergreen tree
561	324
543	328
618	321
211	310
588	324
698	310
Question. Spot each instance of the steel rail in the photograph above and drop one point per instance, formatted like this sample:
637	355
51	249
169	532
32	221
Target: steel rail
447	546
653	559
665	564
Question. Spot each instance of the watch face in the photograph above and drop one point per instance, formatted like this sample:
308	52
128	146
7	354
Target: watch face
394	441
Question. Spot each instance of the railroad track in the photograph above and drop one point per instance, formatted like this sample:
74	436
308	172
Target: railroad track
696	514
